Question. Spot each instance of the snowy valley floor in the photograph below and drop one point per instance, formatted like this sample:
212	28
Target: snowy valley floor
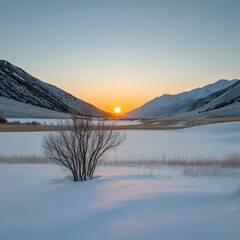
39	201
214	140
142	200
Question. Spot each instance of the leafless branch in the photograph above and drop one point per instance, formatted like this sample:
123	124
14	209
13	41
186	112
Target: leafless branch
80	143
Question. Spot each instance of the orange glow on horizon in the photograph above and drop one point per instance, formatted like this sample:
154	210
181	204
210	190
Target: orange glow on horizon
109	104
106	99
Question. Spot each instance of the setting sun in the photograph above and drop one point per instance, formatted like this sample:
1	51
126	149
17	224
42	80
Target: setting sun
117	110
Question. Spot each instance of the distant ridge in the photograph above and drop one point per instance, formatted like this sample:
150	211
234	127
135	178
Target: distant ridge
18	85
171	105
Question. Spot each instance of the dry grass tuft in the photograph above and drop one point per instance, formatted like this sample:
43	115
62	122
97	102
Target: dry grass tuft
196	171
236	190
13	159
230	161
228	166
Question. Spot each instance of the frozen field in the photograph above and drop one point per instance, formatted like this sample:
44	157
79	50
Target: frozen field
40	202
43	121
52	121
203	141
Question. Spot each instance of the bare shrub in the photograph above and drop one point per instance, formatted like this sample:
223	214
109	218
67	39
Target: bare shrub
3	120
15	123
33	123
80	143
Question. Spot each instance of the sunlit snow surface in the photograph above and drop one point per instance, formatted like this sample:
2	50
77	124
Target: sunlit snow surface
203	141
40	202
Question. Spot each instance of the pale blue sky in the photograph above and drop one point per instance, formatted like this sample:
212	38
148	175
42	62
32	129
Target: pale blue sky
122	52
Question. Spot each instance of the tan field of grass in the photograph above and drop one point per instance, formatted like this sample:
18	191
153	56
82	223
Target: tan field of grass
26	128
184	123
228	166
230	161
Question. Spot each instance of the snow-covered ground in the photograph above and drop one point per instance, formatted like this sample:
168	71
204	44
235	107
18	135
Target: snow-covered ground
203	141
10	108
40	202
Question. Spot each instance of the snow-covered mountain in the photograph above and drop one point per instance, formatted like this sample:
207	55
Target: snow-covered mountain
230	97
226	104
202	102
10	108
18	85
167	104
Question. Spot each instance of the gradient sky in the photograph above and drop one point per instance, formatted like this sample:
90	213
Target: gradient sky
126	52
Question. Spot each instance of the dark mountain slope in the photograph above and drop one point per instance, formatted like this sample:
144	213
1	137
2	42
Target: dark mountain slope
18	85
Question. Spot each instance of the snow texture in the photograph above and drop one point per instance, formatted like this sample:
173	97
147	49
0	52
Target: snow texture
40	202
203	141
11	109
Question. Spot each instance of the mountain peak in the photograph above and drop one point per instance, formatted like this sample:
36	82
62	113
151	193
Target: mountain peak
4	62
20	86
169	104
